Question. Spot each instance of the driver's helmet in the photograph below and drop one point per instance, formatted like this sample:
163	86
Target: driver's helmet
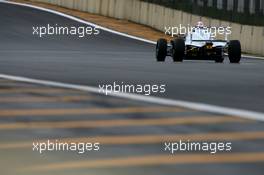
200	24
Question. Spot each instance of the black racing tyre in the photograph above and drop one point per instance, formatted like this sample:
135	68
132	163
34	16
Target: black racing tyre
219	57
234	51
161	50
178	50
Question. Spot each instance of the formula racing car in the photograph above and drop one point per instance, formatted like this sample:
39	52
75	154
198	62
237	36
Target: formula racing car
199	44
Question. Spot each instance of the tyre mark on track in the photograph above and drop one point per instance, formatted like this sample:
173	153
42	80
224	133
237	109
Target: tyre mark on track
154	160
147	139
121	123
84	111
44	99
13	90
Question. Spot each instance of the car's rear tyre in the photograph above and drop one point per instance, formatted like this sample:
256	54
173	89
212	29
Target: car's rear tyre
234	51
219	57
178	50
161	50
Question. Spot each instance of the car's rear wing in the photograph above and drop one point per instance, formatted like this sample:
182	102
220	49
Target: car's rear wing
225	33
223	41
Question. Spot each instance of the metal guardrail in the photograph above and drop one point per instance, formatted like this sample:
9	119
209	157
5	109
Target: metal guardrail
212	12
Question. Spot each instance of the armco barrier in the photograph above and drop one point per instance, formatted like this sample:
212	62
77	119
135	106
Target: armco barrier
156	16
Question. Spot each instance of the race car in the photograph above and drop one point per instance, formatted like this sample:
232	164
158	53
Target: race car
199	44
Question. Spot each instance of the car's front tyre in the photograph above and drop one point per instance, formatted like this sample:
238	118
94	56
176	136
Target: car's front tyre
234	51
161	50
178	50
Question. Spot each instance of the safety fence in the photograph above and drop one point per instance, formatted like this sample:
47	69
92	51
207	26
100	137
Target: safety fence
234	12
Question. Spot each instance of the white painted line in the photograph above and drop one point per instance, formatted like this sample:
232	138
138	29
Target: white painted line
255	57
80	21
249	56
155	100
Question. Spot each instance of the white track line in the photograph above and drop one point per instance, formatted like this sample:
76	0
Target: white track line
156	100
80	21
255	57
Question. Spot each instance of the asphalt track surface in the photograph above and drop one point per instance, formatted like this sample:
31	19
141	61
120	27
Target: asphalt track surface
108	57
103	59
